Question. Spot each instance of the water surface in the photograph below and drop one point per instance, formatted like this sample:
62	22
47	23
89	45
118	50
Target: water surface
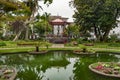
57	65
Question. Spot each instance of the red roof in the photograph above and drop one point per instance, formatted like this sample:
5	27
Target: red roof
58	21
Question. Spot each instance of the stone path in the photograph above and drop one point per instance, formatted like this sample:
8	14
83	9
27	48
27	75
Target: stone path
57	46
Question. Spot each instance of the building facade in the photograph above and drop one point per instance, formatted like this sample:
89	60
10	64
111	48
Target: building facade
58	25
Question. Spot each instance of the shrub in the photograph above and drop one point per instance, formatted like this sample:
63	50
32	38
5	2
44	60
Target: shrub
27	43
47	44
80	40
84	48
2	44
114	45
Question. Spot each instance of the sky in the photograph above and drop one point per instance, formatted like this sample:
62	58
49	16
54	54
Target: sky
59	7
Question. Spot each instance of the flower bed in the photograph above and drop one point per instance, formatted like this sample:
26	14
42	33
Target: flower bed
82	52
106	68
7	73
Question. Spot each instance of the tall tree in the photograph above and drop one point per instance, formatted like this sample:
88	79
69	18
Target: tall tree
33	5
6	6
42	24
9	10
101	15
21	10
73	31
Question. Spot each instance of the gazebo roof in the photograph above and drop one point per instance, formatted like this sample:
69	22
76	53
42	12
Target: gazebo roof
58	20
58	17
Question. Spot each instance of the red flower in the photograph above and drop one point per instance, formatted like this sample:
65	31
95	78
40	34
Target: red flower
99	67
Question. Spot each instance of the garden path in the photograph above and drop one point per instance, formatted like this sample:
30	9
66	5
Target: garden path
57	46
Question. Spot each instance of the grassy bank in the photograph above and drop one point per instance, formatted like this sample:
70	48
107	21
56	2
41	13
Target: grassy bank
12	47
28	49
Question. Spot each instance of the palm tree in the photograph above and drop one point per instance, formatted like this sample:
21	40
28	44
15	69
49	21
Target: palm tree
34	7
45	18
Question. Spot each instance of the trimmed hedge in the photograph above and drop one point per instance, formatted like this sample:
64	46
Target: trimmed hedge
27	43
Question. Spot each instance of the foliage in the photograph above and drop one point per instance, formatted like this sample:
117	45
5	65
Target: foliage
7	6
114	45
27	43
20	10
47	44
42	25
79	40
2	44
113	37
73	31
97	15
84	48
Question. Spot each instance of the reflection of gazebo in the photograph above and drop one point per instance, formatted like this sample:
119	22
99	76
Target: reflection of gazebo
58	25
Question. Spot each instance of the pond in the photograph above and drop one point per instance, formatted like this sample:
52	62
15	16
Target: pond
57	65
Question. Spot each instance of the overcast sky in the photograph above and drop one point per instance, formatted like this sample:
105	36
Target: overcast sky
59	7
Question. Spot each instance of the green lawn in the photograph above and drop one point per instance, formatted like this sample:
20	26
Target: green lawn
12	47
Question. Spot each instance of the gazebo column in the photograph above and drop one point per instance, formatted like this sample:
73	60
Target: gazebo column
58	30
52	29
61	30
55	30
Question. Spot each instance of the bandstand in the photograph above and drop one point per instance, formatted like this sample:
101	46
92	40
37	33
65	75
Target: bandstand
58	27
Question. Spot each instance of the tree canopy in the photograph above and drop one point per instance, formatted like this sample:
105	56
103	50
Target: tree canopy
100	15
20	10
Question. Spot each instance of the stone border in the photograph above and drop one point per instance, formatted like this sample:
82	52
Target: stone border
37	53
101	73
82	53
13	74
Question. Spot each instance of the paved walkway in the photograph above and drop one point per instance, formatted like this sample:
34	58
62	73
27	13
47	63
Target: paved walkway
57	46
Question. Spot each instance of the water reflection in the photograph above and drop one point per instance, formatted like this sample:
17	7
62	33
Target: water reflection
82	72
56	65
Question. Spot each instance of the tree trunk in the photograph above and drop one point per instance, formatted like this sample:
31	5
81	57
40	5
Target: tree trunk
37	49
4	31
18	35
27	33
106	35
96	33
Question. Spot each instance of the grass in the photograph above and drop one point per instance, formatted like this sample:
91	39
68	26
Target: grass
16	50
27	49
98	47
11	44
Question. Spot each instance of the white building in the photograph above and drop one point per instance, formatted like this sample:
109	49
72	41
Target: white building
116	30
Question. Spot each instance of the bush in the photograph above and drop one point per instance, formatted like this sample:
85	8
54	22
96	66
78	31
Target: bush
114	45
21	43
84	48
47	44
80	40
2	44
